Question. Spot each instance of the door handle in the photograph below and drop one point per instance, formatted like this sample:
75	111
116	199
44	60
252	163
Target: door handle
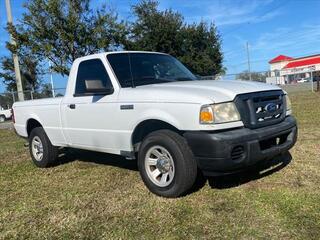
72	106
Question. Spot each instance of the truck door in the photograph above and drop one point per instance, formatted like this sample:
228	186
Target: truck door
87	116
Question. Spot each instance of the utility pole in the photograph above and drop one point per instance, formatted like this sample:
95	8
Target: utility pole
249	68
51	80
15	56
311	77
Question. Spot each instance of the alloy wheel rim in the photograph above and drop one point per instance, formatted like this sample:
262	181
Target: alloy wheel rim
159	166
37	148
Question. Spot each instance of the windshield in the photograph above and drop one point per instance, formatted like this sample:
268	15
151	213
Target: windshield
147	68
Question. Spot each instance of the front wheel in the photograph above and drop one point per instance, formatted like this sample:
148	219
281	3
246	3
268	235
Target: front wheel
166	164
43	153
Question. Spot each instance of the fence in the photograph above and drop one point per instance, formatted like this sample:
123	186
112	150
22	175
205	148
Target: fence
260	76
310	80
8	98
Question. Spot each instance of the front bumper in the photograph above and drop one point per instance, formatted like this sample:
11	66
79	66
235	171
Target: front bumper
230	151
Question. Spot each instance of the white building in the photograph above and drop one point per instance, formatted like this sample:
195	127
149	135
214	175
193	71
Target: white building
287	70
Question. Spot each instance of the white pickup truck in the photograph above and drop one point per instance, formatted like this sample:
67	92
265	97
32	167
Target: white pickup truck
150	106
5	114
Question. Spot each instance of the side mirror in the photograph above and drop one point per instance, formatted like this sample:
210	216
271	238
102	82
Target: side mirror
96	86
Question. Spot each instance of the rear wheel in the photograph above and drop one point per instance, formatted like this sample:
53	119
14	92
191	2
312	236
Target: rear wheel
166	164
43	153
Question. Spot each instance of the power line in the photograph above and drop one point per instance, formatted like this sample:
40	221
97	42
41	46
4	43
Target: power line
282	50
301	43
267	59
262	15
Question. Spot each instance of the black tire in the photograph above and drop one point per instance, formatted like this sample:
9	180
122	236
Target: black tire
185	166
50	152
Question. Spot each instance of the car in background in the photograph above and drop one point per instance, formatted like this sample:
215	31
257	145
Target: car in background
5	114
303	80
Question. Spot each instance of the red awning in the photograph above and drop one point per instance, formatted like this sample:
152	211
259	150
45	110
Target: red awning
305	62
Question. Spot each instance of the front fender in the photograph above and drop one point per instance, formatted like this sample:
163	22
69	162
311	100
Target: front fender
157	115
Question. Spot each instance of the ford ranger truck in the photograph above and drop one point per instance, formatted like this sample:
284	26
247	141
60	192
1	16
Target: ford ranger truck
149	106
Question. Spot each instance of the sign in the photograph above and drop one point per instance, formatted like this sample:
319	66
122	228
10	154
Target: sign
299	70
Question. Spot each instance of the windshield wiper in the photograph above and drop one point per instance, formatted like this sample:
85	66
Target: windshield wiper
150	80
146	80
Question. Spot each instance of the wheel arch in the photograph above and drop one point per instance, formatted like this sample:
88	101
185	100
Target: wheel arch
145	127
31	124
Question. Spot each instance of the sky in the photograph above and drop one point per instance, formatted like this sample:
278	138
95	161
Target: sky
271	27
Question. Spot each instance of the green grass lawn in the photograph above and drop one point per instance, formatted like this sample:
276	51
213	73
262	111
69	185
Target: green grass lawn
101	196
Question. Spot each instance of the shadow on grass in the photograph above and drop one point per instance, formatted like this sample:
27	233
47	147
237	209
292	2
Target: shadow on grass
256	172
219	182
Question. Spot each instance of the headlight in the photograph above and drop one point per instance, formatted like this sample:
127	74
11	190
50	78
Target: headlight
288	103
219	113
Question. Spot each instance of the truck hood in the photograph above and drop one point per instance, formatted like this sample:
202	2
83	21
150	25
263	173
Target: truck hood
202	91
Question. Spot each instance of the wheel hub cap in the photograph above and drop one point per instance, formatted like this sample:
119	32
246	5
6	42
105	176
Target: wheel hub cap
37	148
159	166
163	165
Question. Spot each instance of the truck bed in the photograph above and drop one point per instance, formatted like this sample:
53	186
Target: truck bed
46	112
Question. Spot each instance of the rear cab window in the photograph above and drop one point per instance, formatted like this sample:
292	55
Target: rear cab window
92	69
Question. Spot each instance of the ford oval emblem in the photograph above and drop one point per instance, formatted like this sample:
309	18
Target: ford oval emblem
271	107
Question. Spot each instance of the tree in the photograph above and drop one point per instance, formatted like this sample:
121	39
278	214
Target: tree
63	30
202	49
155	30
198	46
45	91
29	70
255	76
6	100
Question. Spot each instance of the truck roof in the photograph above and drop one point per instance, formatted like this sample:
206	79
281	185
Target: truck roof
114	52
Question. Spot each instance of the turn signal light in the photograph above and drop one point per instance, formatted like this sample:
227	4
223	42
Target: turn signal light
206	115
